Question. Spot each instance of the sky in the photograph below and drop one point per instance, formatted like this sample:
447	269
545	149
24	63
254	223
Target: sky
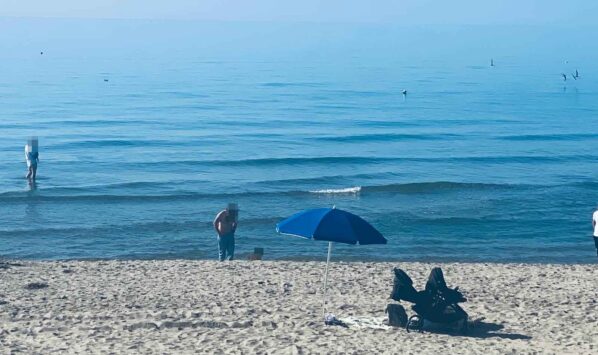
408	12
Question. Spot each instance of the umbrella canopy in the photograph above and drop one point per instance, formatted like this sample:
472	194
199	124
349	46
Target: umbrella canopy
331	225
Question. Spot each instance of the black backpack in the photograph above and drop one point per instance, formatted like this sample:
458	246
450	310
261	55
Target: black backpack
397	317
403	288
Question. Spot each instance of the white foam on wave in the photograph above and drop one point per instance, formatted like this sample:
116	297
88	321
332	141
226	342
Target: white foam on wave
348	190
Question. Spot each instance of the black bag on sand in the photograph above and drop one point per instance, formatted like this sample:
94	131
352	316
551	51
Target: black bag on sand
397	317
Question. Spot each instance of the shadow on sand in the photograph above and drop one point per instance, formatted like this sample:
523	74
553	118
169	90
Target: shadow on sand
483	329
479	329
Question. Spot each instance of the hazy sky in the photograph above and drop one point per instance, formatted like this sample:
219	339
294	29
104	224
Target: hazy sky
388	11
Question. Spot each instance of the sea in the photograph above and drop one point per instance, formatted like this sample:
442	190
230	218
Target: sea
147	129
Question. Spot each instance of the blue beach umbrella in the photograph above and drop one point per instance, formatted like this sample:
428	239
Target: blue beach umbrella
331	225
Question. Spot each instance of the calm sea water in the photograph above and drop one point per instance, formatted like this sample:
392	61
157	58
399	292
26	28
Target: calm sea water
147	129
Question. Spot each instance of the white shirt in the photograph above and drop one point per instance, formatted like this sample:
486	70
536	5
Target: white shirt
27	150
595	219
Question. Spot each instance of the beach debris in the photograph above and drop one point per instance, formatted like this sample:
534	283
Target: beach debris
330	319
36	285
3	302
286	288
67	271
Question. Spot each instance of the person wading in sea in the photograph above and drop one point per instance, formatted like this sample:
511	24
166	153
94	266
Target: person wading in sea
32	158
595	225
225	225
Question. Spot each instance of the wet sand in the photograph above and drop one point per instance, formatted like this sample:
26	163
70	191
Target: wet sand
276	307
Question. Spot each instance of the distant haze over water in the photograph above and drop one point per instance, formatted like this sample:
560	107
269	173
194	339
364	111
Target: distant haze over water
148	128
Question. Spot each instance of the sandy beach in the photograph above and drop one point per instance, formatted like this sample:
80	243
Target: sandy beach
274	307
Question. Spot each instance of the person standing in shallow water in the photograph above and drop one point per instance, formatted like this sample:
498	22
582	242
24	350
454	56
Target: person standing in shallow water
225	225
32	158
595	225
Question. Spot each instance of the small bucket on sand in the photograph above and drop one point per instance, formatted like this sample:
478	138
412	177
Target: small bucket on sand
257	254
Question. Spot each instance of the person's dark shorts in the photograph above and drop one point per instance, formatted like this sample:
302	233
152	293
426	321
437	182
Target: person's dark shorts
596	242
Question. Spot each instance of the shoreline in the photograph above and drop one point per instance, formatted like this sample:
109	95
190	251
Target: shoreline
185	306
300	259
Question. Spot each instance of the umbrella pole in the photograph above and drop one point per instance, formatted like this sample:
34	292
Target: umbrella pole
326	276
